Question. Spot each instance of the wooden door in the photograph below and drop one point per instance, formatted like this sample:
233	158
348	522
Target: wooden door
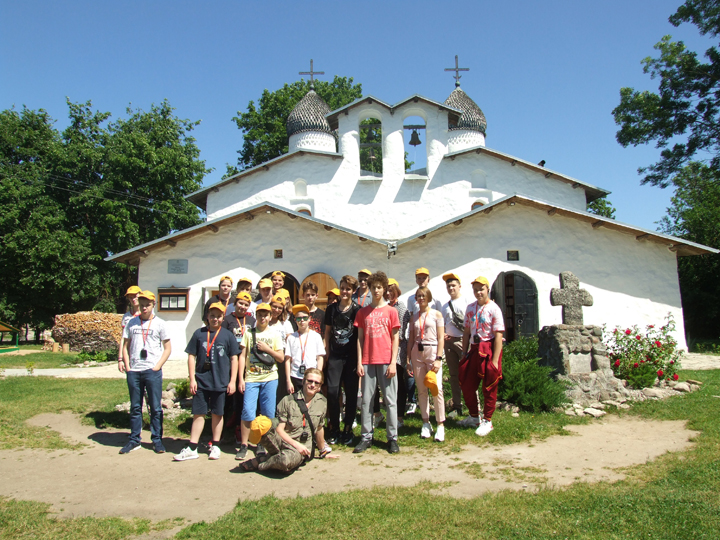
324	282
526	306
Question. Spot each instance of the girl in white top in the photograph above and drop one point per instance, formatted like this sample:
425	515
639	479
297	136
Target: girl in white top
281	323
304	349
426	343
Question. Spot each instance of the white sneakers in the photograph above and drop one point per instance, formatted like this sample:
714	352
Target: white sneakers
426	430
214	452
484	428
411	408
440	434
186	454
469	421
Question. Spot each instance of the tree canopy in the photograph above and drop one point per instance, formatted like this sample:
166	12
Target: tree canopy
263	126
70	199
683	116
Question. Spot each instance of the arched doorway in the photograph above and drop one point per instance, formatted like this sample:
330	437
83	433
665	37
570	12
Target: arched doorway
291	284
325	282
516	294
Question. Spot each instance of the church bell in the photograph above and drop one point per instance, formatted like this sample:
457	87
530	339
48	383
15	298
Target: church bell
415	138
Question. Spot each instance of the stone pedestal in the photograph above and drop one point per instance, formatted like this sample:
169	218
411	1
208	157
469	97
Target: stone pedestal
577	354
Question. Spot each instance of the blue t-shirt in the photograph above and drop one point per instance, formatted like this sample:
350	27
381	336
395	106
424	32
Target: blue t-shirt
212	370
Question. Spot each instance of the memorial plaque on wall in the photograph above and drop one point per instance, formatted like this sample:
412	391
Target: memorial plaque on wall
177	266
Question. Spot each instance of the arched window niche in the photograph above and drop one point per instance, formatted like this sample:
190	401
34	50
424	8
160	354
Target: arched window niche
371	156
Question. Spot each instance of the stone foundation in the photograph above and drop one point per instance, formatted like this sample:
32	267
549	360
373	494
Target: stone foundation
577	355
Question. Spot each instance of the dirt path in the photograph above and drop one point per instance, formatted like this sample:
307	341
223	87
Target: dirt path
97	481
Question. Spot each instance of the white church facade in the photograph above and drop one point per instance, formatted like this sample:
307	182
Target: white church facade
315	212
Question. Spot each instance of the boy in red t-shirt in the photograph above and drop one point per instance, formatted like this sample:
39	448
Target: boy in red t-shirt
378	340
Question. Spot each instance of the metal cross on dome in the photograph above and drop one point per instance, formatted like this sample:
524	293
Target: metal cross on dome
457	71
311	73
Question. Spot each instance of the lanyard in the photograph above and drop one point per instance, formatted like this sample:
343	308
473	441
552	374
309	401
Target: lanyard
145	334
241	325
422	324
362	302
302	347
211	343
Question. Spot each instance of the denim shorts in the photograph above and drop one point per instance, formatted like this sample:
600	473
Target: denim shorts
206	400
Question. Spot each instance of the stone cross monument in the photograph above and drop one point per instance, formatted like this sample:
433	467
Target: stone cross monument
571	297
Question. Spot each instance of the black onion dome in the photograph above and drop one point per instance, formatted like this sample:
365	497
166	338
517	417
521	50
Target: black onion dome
309	115
472	117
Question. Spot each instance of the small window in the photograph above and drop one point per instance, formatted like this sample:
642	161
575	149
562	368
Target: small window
371	146
300	188
477	204
305	211
173	299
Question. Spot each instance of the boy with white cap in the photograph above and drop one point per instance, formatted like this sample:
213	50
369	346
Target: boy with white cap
482	364
146	347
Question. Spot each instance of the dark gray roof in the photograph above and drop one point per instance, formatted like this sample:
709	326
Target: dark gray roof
309	115
472	117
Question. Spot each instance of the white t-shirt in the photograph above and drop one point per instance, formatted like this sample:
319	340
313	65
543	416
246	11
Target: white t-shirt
312	343
459	306
484	320
147	335
284	328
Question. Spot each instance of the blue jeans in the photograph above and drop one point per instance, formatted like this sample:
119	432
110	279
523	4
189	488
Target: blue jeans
138	382
267	392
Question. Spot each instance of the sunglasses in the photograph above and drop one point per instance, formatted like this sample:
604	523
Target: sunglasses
302	319
314	383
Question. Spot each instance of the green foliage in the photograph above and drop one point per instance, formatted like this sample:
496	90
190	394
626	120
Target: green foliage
100	356
602	207
105	305
683	117
70	199
695	216
643	358
525	383
182	389
264	126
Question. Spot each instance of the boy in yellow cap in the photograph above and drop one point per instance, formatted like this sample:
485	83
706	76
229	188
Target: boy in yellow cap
212	366
245	284
362	296
454	314
146	347
483	334
265	286
133	310
304	349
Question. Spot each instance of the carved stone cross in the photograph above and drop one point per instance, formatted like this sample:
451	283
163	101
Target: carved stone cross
571	297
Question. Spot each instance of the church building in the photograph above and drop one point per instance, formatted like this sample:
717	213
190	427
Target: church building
342	199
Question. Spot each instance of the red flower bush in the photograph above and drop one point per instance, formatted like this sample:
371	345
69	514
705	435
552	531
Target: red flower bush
675	377
643	357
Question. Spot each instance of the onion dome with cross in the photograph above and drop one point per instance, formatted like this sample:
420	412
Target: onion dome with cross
469	130
307	127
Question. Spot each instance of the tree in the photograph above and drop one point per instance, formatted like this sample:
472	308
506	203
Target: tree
602	207
264	127
695	216
69	200
686	106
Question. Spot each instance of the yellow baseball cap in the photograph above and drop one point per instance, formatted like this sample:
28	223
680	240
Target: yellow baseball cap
393	281
244	280
364	271
244	295
226	277
279	298
263	307
133	290
278	273
259	427
147	294
264	283
217	305
283	292
482	281
422	270
335	291
447	277
298	308
431	382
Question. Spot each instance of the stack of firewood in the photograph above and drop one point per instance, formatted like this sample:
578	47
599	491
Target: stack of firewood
89	331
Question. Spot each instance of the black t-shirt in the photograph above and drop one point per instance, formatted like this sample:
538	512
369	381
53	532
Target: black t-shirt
216	298
317	321
343	334
216	378
232	323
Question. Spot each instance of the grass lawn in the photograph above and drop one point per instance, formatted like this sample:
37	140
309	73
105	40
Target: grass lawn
39	360
676	496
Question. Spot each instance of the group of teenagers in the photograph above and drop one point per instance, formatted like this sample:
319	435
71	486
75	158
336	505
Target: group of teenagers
282	368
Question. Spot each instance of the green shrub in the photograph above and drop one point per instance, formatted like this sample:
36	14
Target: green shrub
525	383
105	305
182	389
643	357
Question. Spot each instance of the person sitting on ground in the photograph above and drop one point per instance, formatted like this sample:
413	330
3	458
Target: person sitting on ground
133	310
257	372
427	335
289	439
304	349
224	296
341	345
212	365
482	364
146	347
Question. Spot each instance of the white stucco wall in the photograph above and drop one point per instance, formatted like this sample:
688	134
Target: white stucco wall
631	282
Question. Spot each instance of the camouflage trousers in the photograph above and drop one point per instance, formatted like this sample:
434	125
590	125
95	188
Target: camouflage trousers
286	460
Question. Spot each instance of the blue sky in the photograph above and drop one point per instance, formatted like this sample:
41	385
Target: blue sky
546	74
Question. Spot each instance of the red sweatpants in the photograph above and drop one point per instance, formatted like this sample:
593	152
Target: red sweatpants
478	369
